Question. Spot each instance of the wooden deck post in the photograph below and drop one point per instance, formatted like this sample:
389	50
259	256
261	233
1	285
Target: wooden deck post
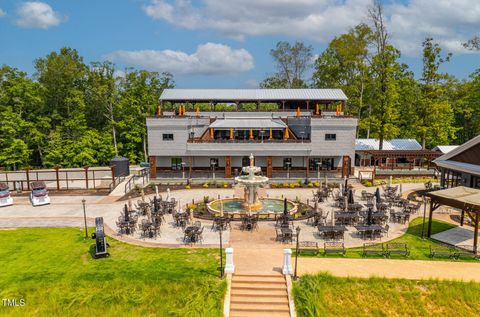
430	215
190	166
475	237
269	167
27	172
228	166
86	176
153	167
57	177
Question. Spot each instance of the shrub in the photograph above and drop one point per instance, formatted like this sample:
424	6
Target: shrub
206	199
310	185
300	182
225	185
205	185
316	184
192	206
292	185
187	187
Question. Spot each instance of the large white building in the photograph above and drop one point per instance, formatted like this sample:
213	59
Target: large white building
308	133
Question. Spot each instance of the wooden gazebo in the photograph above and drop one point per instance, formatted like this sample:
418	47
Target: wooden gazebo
464	198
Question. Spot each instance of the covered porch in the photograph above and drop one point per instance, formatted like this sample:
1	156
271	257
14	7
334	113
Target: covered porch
465	199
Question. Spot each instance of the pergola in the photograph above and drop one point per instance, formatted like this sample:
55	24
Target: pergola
411	155
464	198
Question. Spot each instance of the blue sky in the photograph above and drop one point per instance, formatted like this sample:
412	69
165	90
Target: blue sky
218	43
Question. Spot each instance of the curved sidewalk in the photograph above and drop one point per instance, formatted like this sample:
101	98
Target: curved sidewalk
406	269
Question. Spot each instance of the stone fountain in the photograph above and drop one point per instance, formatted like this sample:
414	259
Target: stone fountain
251	182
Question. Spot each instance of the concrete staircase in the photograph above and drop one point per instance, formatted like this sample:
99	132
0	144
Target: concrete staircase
259	295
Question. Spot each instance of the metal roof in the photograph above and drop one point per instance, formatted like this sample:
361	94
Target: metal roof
465	146
247	123
444	148
388	145
233	95
459	166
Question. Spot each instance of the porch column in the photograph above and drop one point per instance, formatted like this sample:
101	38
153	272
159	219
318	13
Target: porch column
475	237
153	167
269	167
190	166
307	168
228	166
430	215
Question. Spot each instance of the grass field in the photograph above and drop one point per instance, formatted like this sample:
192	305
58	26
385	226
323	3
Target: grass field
53	271
325	295
419	248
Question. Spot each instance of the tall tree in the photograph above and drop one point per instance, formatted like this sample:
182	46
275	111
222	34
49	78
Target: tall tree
435	113
344	64
473	44
291	61
383	111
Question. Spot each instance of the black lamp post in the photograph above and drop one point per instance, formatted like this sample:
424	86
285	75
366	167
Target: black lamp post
296	254
288	169
221	254
85	218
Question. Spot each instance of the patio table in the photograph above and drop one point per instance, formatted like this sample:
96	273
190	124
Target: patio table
372	229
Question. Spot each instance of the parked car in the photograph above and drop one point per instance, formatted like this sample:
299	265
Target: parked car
39	194
5	198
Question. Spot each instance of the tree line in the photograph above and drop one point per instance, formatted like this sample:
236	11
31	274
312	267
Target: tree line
436	109
71	114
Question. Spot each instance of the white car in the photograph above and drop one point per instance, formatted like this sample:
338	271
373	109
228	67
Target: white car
39	194
5	198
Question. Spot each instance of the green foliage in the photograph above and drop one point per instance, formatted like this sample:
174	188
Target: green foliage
72	114
52	269
325	295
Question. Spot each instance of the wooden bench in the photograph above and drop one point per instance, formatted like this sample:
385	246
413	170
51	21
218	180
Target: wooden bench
308	247
463	251
334	247
373	248
443	250
397	248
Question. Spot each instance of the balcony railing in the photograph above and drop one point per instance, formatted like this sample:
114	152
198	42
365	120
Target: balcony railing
266	140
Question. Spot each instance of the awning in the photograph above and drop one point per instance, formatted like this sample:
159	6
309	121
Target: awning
457	196
248	123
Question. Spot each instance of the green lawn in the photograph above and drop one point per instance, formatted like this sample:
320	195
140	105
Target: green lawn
419	248
325	295
54	272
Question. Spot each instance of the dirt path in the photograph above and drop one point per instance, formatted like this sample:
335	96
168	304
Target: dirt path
407	269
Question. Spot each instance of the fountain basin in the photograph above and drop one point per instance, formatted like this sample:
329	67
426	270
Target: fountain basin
236	206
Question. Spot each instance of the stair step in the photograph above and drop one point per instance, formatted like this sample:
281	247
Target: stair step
257	279
269	282
258	287
259	292
259	314
258	307
253	299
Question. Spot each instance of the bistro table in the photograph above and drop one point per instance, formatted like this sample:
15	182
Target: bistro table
191	234
354	207
365	229
346	217
332	231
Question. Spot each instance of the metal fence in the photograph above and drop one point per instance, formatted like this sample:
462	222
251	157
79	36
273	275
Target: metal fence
61	178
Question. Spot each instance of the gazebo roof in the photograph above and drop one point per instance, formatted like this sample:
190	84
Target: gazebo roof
457	197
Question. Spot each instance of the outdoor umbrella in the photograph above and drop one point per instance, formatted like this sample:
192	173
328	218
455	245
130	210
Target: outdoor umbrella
390	182
400	193
221	208
316	205
156	191
326	181
346	183
374	207
369	216
143	195
377	195
191	216
127	218
130	204
341	189
168	194
350	197
345	202
333	217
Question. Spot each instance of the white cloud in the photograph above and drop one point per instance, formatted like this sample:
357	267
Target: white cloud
2	13
209	58
38	15
449	22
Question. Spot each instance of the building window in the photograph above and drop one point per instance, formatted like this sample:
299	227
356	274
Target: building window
287	162
167	137
330	137
176	163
